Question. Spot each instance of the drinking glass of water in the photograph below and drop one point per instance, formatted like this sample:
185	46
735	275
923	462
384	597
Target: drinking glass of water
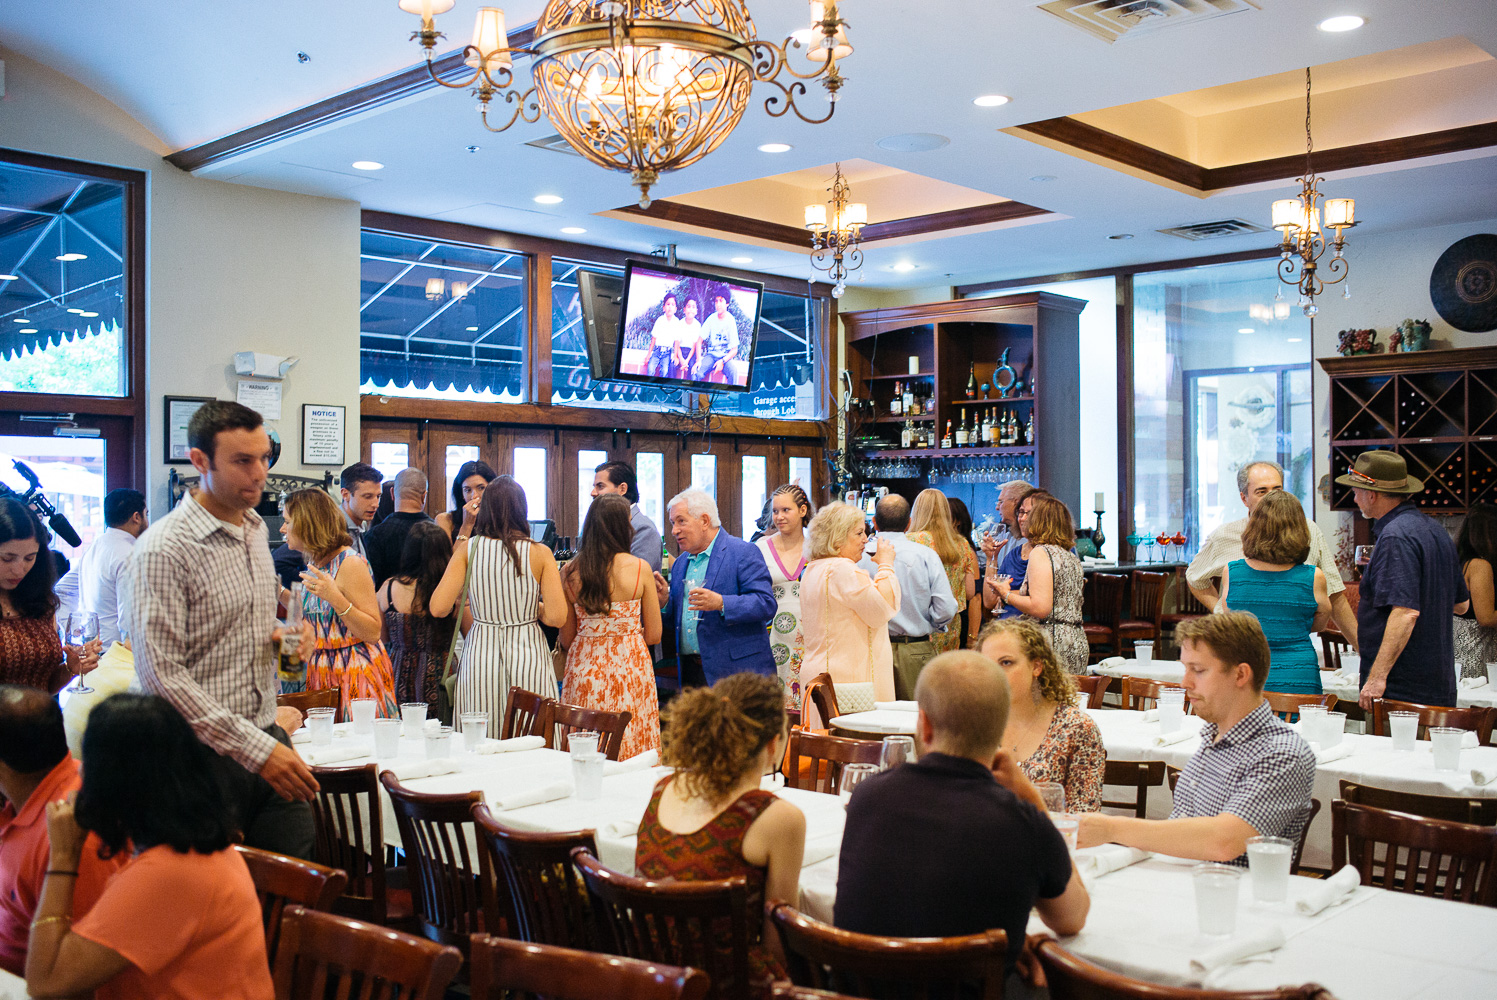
1268	864
1216	890
897	750
852	776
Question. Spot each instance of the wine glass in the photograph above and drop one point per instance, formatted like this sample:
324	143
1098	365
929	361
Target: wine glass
896	750
81	628
1054	795
852	776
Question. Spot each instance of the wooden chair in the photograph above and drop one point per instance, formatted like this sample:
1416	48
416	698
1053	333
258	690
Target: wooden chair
815	761
1141	775
502	969
867	965
282	882
1072	978
350	830
678	923
1332	645
1147	611
1093	686
822	694
1454	861
1286	705
568	719
303	700
546	898
1186	608
452	887
1141	694
1451	808
525	714
323	955
1108	591
1477	720
1172	775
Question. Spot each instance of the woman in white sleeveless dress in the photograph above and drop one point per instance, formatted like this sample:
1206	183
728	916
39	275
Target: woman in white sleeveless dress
783	551
513	588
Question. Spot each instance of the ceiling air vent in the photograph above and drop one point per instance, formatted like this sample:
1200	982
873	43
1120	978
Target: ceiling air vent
1111	20
555	143
1214	230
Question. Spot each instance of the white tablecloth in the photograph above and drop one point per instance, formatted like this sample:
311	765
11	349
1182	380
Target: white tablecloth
878	721
12	986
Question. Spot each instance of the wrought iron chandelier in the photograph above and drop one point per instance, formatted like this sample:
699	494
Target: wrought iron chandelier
836	247
644	86
1304	243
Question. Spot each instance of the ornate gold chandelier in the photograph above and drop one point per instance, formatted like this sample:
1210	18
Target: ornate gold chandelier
836	245
1303	244
644	86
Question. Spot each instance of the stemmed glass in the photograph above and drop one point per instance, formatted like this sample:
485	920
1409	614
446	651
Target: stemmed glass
80	629
895	751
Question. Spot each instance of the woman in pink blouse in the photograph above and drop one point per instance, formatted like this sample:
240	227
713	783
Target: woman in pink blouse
1047	734
845	615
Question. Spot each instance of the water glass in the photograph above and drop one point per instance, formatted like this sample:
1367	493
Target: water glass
1068	825
1171	709
587	774
852	776
1492	674
363	711
1332	728
1446	742
1310	718
1268	863
1143	651
1404	727
583	742
897	750
320	725
1054	795
475	728
439	742
1216	888
386	738
413	719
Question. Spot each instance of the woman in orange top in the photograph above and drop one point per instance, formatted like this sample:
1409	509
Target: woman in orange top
181	920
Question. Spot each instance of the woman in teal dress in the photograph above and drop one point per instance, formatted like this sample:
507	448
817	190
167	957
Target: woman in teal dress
1288	597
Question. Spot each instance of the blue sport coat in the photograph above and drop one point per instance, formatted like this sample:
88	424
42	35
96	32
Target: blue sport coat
734	640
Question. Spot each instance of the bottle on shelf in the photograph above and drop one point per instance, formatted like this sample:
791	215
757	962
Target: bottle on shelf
896	405
1029	429
972	381
909	398
905	435
1013	428
982	429
961	432
949	439
995	430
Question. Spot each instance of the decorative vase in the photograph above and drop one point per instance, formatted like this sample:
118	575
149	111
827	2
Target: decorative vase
1411	335
1349	342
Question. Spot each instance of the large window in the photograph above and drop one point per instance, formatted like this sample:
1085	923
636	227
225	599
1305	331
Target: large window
441	321
571	375
62	283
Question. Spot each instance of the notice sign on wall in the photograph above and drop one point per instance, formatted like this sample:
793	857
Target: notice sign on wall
321	434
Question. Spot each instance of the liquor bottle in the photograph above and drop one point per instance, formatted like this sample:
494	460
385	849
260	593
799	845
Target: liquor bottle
1029	429
896	405
1005	436
986	437
1013	428
971	381
909	398
905	436
961	432
995	435
949	439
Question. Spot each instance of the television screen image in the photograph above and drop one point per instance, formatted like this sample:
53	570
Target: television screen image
687	328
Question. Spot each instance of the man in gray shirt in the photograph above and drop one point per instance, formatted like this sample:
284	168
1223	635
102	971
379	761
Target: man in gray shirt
618	477
926	603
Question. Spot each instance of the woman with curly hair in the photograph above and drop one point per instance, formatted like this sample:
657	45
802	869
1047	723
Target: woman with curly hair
1048	735
710	820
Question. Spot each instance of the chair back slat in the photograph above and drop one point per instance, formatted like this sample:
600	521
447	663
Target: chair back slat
325	956
822	694
303	700
1140	775
349	825
1109	591
1073	978
1476	719
1405	853
526	714
1148	595
703	925
567	719
282	881
1286	706
1453	808
503	969
815	761
1142	694
1093	687
546	899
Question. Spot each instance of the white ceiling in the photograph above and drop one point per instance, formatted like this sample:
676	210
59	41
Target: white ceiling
194	72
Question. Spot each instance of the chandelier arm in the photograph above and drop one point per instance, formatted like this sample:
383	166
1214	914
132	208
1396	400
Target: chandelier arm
526	107
1336	270
767	66
772	102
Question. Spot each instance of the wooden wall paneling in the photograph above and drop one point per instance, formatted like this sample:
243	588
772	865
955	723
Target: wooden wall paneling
550	439
816	489
1126	465
574	477
441	436
538	329
406	432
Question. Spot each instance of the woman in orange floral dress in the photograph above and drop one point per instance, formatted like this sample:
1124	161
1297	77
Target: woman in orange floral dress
613	617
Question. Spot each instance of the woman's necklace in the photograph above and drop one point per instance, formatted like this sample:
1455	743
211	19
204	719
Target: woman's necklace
1024	734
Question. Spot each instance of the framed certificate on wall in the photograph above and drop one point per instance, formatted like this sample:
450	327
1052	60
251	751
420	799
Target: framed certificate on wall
322	434
179	411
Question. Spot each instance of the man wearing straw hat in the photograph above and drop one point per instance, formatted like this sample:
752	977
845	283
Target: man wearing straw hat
1409	590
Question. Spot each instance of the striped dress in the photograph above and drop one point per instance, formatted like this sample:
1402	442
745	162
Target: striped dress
505	646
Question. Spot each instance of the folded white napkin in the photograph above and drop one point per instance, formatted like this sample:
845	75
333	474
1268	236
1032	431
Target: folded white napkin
820	849
1336	752
619	829
512	744
897	706
534	795
638	762
1470	741
332	753
1111	858
1112	661
1151	715
407	770
1329	892
1166	739
1484	775
432	725
1473	682
1269	938
302	735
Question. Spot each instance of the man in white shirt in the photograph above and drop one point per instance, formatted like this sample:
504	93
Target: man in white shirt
102	566
663	338
1255	481
926	603
719	343
360	483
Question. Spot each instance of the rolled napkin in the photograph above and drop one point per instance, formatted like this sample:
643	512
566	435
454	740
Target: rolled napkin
1112	661
1469	741
1151	715
897	706
332	753
619	829
820	849
302	735
1334	753
1484	775
534	795
1473	682
511	745
638	762
407	770
1329	892
432	725
1270	938
1109	858
1166	739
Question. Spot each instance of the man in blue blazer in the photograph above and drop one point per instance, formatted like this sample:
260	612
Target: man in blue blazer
719	597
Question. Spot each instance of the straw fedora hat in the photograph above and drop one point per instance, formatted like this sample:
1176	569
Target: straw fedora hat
1381	472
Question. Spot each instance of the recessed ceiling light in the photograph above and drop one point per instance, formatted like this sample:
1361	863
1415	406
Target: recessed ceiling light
88	315
912	142
548	199
573	230
1121	236
367	165
8	277
776	147
1043	178
1246	329
20	321
75	311
742	260
904	265
72	256
472	329
28	330
990	100
1344	22
1296	340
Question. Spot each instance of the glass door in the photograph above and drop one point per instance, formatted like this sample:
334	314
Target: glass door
450	447
582	452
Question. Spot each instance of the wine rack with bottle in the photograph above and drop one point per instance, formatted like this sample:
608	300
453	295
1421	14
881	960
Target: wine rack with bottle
1438	409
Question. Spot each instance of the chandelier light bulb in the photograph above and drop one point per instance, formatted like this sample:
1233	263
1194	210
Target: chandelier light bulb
815	217
436	288
1288	213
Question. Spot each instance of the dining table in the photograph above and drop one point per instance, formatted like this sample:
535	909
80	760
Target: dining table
12	986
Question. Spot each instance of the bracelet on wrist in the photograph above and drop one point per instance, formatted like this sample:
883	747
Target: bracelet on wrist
42	921
346	610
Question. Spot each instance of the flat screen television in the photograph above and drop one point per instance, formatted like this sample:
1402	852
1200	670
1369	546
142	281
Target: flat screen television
600	296
687	328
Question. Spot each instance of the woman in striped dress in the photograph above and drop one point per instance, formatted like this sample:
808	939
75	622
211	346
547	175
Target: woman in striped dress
513	588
